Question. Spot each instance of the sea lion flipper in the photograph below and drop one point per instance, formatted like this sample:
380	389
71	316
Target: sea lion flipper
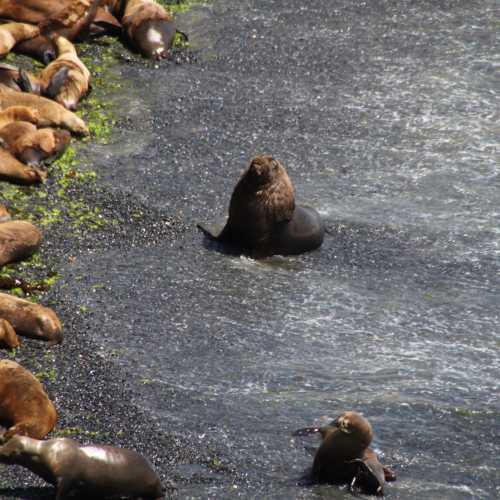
57	81
208	233
24	81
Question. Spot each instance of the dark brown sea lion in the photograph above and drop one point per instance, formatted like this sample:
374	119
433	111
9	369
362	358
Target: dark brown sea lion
263	218
18	240
12	170
25	407
8	337
12	33
31	320
41	48
50	113
344	456
93	470
149	28
33	146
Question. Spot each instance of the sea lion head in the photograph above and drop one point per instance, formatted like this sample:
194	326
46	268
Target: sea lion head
264	169
355	425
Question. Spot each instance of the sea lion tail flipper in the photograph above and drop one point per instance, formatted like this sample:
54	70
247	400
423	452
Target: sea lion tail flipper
306	431
24	81
56	83
207	233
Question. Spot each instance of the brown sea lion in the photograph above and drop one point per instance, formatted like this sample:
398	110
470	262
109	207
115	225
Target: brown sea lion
25	407
12	33
97	471
51	114
33	146
12	170
18	113
263	218
31	320
18	240
41	48
76	80
149	28
8	337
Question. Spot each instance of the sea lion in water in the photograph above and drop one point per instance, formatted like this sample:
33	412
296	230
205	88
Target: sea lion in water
263	218
50	113
33	146
24	405
12	33
18	240
8	337
30	319
93	470
344	456
12	170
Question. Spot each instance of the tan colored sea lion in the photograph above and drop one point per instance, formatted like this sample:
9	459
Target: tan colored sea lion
31	320
25	407
8	337
4	213
75	83
12	33
12	170
18	240
51	114
263	218
18	113
33	146
98	471
149	27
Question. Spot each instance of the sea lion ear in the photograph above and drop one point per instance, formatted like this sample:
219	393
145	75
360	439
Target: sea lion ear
57	81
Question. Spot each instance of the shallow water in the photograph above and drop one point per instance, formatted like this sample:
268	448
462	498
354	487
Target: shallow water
386	117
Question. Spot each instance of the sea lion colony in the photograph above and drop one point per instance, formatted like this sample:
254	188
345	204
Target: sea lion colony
36	123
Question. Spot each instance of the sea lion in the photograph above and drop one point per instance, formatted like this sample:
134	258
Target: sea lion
33	146
93	470
12	33
263	218
40	48
76	80
8	337
18	79
12	170
18	113
344	456
51	114
148	27
18	240
4	213
25	407
30	319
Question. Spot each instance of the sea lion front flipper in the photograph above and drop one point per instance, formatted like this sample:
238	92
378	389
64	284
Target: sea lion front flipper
57	81
306	431
24	81
389	474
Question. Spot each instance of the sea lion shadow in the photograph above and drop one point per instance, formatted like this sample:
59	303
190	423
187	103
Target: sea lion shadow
29	493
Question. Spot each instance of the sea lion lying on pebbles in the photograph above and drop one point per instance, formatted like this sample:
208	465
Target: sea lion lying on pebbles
8	337
12	33
24	405
31	320
344	456
33	146
97	471
12	170
263	218
18	240
50	113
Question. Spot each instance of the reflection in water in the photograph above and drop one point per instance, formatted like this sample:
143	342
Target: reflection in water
389	129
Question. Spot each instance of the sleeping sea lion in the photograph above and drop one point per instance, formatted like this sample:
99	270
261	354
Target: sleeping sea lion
8	337
98	471
18	240
25	407
33	146
51	114
263	218
15	172
12	33
149	28
18	113
76	77
30	319
41	48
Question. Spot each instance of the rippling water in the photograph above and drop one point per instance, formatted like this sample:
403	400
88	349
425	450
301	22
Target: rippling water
386	116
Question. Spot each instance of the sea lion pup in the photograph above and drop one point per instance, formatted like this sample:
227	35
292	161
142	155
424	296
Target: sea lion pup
31	320
24	405
15	172
97	471
34	146
75	83
263	218
18	240
12	33
51	114
148	27
16	114
344	456
8	337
